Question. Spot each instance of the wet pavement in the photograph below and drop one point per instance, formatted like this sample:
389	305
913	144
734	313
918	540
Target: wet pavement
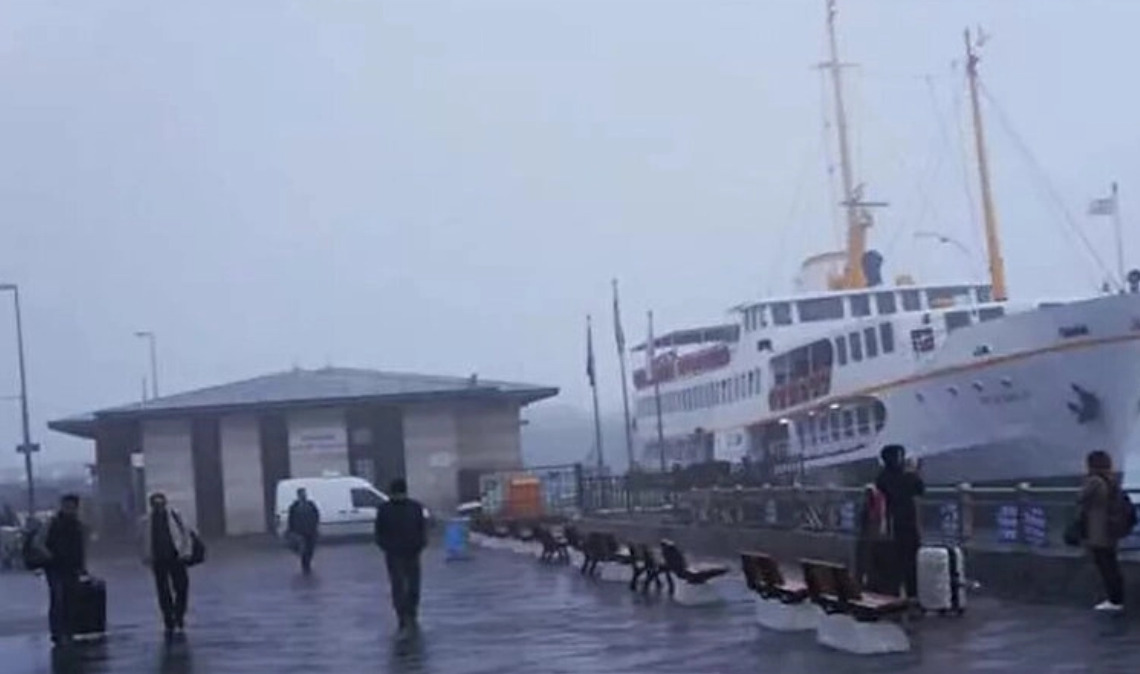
501	613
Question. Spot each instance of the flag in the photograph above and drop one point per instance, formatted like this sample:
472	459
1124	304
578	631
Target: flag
590	353
1103	206
619	334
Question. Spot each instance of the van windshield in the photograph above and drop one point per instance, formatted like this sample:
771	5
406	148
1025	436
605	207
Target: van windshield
366	498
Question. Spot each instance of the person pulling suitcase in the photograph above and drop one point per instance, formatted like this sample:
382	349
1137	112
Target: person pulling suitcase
58	547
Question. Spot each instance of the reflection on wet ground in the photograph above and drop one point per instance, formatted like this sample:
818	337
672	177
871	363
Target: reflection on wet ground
499	613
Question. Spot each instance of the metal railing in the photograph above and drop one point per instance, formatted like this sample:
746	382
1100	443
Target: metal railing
1026	517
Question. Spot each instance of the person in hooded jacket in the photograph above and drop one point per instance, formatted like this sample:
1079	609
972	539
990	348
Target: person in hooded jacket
1095	503
901	486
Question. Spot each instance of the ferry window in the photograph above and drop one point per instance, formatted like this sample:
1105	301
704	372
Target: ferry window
911	300
780	370
820	355
841	349
863	420
801	363
856	345
824	428
751	383
879	412
922	340
782	313
822	309
990	313
870	342
836	431
724	392
947	297
956	320
759	381
848	424
887	337
985	295
885	302
860	305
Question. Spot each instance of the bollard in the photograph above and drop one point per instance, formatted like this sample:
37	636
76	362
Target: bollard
455	538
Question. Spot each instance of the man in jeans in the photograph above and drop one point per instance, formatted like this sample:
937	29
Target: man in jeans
165	548
304	524
401	532
61	545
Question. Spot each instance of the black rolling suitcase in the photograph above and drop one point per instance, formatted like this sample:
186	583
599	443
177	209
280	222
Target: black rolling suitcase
88	613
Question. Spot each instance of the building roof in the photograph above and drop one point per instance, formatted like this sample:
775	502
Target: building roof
310	388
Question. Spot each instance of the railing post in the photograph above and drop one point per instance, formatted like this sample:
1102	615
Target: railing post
1022	508
580	488
965	512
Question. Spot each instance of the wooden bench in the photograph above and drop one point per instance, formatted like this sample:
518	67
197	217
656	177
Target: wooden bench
694	577
834	589
646	567
554	546
763	576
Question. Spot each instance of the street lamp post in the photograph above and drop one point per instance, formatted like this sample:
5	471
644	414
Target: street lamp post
27	448
150	337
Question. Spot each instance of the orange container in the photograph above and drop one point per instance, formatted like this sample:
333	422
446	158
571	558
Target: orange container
524	497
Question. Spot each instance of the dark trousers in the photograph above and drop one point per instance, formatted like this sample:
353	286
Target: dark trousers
308	546
906	564
172	584
1108	565
404	577
63	587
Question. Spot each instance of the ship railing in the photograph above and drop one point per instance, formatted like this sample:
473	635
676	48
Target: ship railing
1024	516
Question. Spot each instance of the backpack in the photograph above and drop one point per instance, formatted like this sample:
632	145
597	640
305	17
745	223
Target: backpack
33	557
197	547
1122	517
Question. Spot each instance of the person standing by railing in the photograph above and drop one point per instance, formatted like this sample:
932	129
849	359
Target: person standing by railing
1100	496
901	486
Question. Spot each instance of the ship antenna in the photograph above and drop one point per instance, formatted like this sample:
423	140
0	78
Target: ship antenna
858	220
993	243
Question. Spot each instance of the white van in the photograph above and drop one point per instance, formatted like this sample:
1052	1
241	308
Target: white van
347	504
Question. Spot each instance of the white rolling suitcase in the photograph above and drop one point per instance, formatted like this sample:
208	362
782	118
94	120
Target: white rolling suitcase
942	579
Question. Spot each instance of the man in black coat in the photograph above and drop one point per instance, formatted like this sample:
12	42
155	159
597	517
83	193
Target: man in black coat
901	486
304	524
401	532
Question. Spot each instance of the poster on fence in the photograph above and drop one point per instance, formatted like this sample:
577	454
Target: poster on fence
1035	526
1007	523
948	520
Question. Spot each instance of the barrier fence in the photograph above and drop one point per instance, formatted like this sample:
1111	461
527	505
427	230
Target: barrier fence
1033	518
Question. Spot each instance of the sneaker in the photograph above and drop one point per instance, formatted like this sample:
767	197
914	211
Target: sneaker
1108	606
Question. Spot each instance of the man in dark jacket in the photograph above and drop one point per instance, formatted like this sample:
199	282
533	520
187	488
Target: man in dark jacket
401	532
304	524
61	544
901	487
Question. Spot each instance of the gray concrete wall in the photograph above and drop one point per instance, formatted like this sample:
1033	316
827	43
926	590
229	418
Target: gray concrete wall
242	475
431	456
318	442
489	437
169	466
116	506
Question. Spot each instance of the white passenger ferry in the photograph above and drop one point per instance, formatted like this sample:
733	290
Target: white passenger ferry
981	388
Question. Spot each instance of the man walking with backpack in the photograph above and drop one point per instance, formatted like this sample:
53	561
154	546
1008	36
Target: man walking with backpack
1106	516
166	549
401	532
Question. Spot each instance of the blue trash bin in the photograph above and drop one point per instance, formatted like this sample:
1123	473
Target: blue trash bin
455	538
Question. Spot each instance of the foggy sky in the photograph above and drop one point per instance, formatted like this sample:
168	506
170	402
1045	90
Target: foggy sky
449	186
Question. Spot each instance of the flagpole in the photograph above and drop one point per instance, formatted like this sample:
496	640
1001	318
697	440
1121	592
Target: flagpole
656	393
619	336
594	390
1119	233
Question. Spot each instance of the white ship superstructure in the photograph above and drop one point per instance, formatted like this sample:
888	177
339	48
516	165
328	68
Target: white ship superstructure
980	388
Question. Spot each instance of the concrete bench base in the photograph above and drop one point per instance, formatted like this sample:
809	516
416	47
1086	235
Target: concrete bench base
775	615
609	572
844	633
705	594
